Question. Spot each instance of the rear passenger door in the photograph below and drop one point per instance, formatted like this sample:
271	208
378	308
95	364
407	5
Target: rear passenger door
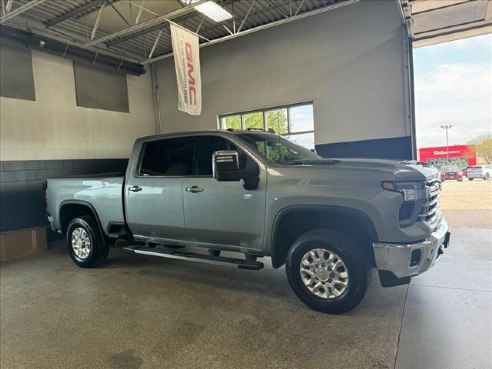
221	212
154	193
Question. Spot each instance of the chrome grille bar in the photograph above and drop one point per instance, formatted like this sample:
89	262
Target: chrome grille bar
431	212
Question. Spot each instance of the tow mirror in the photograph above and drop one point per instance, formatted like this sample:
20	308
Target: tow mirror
229	165
225	165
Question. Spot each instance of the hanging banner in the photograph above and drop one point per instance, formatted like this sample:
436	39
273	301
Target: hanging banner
187	64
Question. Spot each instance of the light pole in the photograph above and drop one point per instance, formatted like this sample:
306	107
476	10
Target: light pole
447	127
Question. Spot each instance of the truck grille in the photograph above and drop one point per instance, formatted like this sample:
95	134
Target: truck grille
431	211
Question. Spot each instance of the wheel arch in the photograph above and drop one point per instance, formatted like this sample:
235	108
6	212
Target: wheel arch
71	209
293	221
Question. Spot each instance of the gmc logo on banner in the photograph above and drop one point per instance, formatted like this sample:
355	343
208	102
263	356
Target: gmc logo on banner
186	51
191	77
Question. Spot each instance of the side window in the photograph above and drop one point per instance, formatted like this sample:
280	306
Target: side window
205	146
168	157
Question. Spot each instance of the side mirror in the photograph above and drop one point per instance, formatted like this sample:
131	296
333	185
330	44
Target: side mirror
229	165
225	165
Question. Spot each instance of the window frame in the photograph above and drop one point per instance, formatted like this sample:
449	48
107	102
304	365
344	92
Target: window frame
138	171
143	147
287	107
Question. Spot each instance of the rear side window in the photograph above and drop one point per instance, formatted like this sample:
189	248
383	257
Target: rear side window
205	146
169	157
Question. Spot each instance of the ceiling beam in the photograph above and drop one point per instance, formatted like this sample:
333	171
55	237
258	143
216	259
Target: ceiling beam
246	16
262	27
84	9
144	26
21	9
142	32
134	35
98	20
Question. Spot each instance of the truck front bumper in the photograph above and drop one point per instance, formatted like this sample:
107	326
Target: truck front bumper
396	263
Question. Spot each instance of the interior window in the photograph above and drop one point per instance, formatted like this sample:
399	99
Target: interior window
205	146
168	157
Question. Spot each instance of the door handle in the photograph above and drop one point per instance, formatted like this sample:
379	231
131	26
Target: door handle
135	188
194	189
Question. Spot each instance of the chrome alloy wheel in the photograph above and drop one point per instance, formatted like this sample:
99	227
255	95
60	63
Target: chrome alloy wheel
81	243
324	273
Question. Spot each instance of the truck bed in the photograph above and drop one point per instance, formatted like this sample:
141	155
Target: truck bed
103	192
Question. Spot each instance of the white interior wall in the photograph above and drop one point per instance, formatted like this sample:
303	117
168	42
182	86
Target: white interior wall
349	61
54	127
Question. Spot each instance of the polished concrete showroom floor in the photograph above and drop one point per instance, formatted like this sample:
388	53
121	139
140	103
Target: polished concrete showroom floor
144	312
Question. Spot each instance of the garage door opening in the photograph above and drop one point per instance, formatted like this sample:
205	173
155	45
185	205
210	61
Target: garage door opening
453	91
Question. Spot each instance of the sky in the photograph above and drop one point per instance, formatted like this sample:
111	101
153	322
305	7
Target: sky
453	85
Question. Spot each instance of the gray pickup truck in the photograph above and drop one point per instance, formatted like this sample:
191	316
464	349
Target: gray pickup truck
193	195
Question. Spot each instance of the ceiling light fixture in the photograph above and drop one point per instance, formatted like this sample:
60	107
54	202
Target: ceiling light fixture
214	11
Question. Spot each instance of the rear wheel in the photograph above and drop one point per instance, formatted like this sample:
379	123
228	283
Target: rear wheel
327	271
85	242
471	179
486	177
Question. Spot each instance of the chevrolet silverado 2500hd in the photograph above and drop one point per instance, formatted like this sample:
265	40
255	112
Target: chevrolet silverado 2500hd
257	194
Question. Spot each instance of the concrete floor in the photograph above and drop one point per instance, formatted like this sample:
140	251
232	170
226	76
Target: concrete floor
144	312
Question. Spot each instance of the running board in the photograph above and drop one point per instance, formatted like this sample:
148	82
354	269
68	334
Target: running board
190	256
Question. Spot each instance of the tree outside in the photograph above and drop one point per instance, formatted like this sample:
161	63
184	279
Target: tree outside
483	147
232	121
275	119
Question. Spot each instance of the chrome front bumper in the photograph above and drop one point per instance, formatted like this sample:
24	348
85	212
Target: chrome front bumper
410	260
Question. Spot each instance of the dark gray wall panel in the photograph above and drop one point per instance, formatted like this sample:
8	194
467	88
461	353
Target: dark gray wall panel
21	191
398	148
100	89
16	76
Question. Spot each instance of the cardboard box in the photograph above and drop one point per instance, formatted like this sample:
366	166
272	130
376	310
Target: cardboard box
22	242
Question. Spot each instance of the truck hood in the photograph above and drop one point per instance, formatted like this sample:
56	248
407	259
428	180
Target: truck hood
400	170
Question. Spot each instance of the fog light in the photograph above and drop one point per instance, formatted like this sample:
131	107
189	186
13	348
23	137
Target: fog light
415	257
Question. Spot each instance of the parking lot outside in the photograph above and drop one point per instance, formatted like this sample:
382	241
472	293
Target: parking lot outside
467	204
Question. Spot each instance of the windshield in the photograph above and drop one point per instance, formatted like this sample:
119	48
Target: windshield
278	149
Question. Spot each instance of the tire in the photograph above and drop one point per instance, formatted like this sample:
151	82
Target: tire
471	179
486	177
85	242
335	298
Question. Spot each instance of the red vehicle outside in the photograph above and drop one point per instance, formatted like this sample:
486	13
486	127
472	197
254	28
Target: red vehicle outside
450	172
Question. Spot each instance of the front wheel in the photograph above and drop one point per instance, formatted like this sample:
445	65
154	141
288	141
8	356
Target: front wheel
471	179
486	177
85	242
327	271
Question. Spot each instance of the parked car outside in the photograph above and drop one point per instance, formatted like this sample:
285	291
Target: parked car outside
479	171
449	172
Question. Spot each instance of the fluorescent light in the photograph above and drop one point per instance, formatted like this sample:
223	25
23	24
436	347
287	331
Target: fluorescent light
189	2
214	11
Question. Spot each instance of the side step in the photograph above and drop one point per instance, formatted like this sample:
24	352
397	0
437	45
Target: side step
190	256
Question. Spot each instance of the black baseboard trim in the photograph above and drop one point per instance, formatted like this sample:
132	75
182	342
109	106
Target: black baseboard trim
398	148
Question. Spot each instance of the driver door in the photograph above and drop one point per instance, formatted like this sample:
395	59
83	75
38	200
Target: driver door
221	212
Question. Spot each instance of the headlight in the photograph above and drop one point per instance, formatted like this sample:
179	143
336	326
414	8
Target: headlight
414	196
